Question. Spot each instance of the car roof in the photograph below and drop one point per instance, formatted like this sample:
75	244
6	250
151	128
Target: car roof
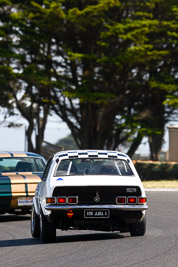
10	154
90	153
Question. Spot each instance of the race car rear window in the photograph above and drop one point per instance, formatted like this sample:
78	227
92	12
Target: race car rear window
93	166
21	164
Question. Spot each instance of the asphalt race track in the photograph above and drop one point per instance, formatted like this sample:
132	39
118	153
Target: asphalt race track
159	247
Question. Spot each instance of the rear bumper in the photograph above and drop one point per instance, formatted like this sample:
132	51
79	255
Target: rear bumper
110	207
16	202
120	216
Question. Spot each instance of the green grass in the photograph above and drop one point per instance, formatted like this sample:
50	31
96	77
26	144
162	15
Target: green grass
161	184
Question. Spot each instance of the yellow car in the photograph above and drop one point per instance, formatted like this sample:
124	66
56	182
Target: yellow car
20	172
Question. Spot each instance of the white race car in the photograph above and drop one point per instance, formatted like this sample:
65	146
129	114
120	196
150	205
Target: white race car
89	190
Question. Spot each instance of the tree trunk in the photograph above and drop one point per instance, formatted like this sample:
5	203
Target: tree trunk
135	144
29	133
155	144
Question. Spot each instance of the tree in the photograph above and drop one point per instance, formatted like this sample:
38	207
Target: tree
98	65
151	30
115	52
163	75
24	69
5	55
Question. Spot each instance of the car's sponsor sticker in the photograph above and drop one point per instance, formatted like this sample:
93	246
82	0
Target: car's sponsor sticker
96	213
25	201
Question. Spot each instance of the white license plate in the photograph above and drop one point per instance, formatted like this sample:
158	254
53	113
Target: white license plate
96	213
25	201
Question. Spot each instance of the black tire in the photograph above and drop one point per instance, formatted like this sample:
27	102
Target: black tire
47	230
35	224
138	229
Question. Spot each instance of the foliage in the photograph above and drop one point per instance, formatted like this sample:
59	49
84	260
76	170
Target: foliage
104	67
22	78
67	142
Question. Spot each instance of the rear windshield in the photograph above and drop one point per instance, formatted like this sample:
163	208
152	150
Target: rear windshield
93	166
21	164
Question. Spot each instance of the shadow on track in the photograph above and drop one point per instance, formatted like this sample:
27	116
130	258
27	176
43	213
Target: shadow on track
10	218
19	242
61	239
88	237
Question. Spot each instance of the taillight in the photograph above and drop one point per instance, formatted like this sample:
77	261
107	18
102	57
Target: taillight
142	200
61	200
72	200
121	200
50	200
131	200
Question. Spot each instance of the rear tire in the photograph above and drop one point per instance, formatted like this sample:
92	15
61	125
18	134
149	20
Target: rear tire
47	230
35	224
138	229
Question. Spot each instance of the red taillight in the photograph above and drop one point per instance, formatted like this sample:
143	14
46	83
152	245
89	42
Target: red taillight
72	200
121	200
61	200
50	200
70	213
142	200
131	200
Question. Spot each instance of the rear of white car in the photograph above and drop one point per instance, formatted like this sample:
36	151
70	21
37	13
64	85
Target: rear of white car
89	190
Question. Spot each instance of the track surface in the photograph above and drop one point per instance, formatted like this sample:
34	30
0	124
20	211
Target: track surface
159	247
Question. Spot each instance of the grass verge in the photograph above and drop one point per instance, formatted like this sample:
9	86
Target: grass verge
161	184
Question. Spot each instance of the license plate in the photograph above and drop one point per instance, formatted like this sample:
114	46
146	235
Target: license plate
25	201
95	213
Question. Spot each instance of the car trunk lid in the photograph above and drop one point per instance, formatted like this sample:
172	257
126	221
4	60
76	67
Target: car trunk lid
20	184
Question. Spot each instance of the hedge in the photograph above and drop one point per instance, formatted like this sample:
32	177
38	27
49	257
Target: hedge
156	170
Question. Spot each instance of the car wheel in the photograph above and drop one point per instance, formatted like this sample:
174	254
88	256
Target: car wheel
47	229
138	229
35	223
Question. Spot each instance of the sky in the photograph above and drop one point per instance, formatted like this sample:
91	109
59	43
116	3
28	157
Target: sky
13	139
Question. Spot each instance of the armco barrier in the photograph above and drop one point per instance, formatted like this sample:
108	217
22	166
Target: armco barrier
156	170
